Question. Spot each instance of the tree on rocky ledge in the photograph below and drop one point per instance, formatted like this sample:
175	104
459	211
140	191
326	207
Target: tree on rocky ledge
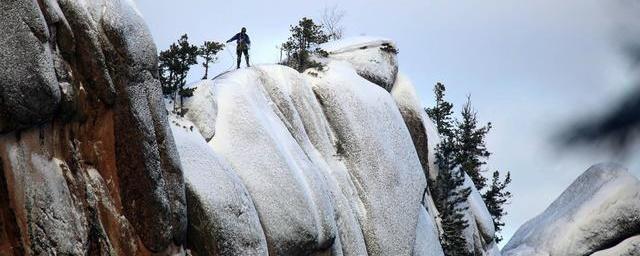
462	150
174	65
303	43
496	197
471	149
448	191
208	51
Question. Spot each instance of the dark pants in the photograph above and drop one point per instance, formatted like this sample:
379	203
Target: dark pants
240	49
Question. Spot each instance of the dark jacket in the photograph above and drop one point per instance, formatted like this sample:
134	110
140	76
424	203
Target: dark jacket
241	38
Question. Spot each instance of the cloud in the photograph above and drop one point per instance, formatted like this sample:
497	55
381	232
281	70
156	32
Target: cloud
620	127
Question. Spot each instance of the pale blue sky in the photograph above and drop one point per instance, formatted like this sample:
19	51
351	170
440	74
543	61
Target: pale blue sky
531	67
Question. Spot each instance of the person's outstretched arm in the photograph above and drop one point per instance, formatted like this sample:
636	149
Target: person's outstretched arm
233	38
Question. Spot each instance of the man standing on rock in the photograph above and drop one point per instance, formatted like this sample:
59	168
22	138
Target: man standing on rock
244	43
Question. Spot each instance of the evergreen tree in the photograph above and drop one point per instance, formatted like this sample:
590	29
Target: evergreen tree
448	192
496	197
302	44
175	63
441	113
208	51
471	149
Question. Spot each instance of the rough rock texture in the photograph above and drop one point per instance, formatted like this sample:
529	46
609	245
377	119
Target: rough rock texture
598	214
88	163
29	91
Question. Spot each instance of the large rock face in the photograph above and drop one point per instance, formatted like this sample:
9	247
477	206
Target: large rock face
599	214
327	161
88	163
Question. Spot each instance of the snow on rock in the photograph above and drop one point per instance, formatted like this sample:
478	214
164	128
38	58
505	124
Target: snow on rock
298	108
480	232
628	247
377	149
289	193
373	58
330	161
598	213
222	217
412	110
327	160
202	107
427	239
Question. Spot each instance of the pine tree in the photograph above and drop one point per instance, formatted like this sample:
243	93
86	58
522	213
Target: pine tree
302	44
471	149
175	63
448	191
441	113
496	197
208	51
450	196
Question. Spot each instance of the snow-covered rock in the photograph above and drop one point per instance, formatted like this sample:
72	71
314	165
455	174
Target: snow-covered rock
332	143
480	230
332	162
373	58
598	214
427	236
222	217
379	154
628	247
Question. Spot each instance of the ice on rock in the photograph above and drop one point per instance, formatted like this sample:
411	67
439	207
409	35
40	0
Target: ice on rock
598	213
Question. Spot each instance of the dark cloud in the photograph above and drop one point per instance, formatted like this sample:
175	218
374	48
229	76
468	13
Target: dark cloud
620	127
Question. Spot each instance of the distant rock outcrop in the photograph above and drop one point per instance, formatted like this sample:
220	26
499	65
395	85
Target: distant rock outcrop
599	214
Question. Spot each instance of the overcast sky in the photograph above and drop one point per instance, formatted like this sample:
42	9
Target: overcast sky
531	67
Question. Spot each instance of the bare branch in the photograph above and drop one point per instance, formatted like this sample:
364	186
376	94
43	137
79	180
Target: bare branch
332	21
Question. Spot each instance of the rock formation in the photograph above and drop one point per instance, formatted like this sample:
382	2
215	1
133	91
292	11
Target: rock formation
87	157
599	214
328	161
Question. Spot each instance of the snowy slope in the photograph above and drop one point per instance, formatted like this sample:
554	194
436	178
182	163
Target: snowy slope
600	210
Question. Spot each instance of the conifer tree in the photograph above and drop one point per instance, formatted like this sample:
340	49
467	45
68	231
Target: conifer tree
441	113
303	43
174	65
471	149
448	192
496	197
208	51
